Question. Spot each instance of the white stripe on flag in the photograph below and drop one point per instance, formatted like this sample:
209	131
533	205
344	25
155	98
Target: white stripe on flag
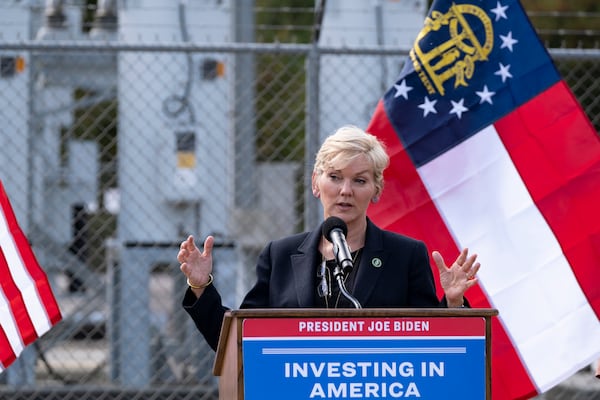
24	282
9	326
487	207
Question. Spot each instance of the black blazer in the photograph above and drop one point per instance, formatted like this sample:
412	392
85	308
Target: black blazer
393	272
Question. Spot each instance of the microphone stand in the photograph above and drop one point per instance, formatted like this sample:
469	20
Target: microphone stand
339	277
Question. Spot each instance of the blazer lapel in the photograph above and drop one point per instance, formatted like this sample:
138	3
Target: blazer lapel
304	265
372	261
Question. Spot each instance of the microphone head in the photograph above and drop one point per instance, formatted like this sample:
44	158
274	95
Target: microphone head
332	223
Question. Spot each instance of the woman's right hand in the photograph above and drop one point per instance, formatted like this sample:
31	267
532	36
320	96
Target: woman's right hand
196	265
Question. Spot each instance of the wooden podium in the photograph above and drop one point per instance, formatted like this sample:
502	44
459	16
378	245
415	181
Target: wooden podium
419	349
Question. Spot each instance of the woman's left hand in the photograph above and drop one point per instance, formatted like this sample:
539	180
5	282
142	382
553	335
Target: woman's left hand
457	278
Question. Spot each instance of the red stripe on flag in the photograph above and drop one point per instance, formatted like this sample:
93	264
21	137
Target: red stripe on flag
17	305
406	207
29	261
510	380
39	277
557	153
7	355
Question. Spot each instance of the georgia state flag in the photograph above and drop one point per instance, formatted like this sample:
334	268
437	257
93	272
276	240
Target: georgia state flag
491	151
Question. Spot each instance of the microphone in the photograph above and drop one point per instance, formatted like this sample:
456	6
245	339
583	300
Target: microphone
335	230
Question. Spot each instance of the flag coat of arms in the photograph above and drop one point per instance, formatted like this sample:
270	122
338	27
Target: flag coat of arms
28	308
490	150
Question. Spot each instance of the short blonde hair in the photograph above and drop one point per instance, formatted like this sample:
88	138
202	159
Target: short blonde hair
347	143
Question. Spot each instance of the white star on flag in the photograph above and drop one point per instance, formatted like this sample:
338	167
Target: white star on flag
458	108
500	11
402	89
485	95
508	41
503	72
428	106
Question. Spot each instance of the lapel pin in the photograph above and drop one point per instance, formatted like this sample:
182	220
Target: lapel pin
376	262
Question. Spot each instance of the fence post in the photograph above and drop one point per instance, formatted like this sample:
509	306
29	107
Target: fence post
312	206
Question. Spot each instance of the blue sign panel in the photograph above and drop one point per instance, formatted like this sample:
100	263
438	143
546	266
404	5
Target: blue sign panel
362	363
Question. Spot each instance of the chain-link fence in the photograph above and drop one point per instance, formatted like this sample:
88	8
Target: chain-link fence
113	154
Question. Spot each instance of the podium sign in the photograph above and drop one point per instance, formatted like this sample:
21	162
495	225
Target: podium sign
379	357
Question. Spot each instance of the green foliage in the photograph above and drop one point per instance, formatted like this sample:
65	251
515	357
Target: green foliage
284	75
98	123
565	23
88	15
288	21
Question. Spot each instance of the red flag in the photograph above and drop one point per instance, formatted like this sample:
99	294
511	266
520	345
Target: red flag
28	308
491	151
